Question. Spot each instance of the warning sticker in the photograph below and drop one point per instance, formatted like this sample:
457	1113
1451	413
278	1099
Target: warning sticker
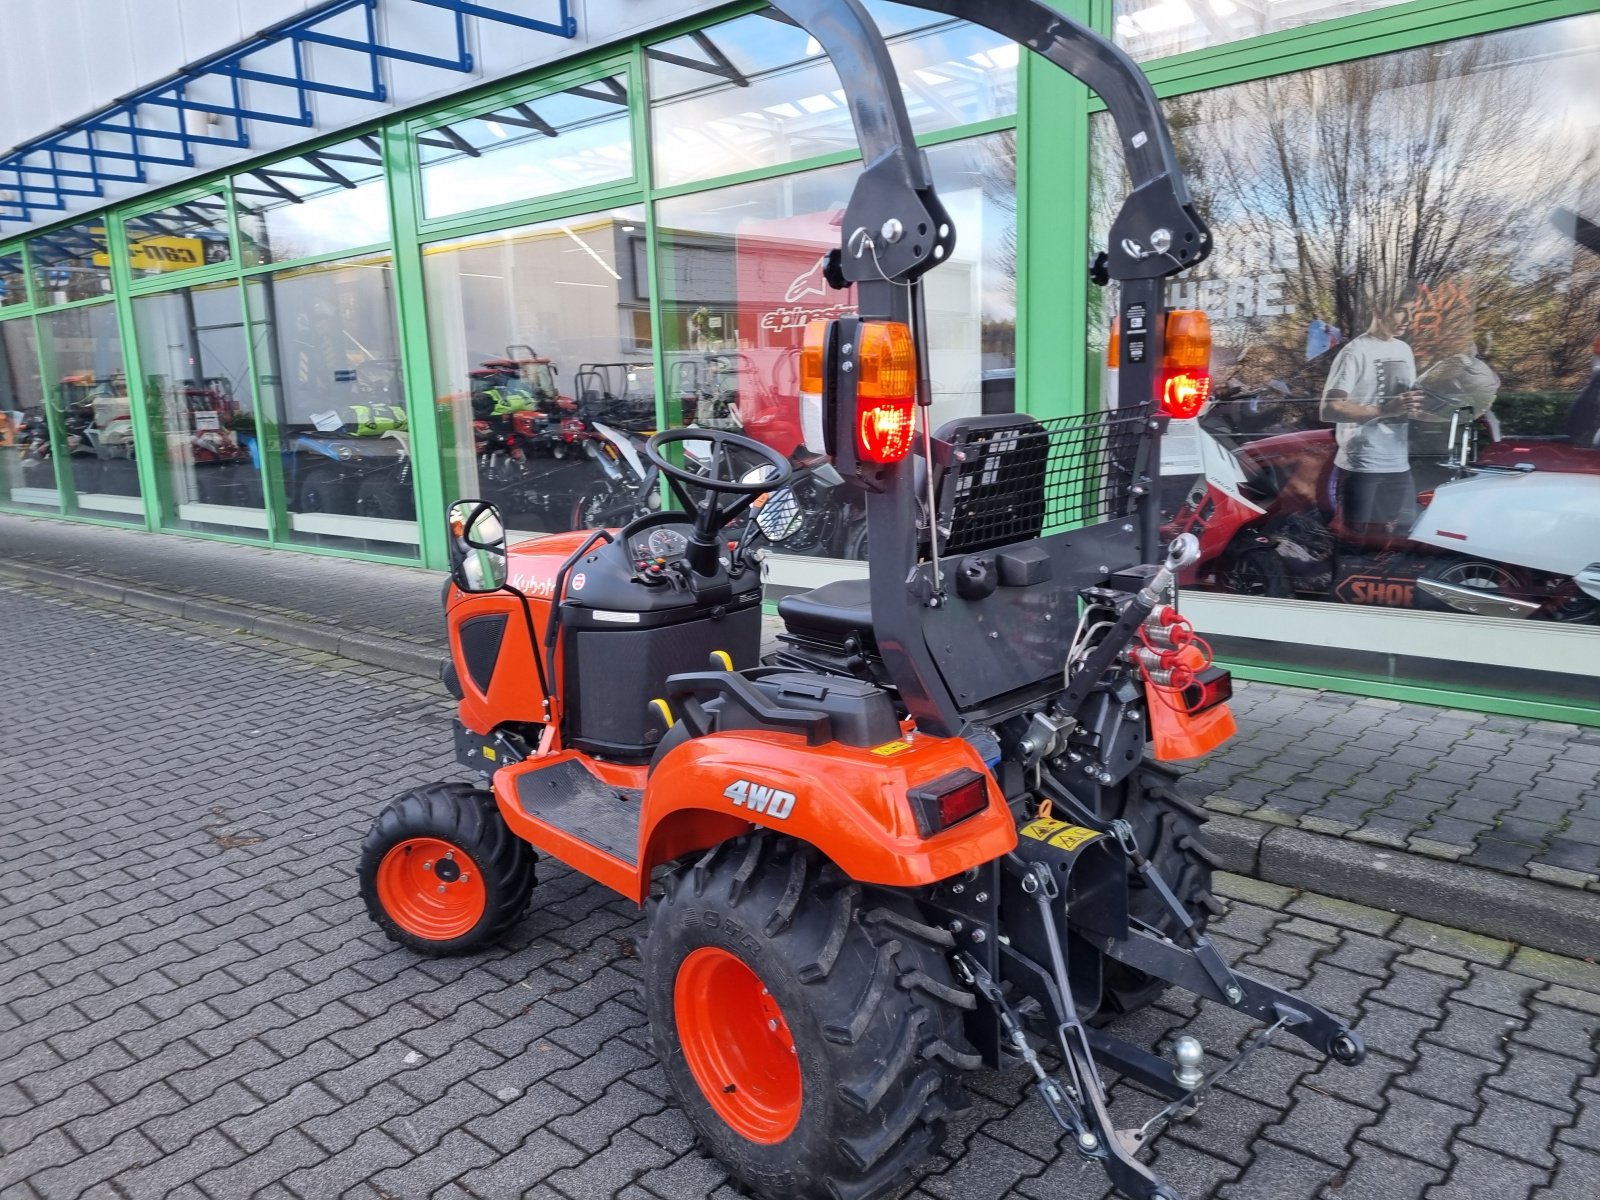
889	748
1058	833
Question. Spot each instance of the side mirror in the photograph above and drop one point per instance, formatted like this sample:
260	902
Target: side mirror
477	546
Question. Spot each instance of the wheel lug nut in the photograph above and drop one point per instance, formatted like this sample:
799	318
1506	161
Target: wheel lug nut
772	1025
441	889
428	866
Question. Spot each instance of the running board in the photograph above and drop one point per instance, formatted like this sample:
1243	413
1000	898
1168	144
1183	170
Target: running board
573	814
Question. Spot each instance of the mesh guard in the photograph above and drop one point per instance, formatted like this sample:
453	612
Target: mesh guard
1020	477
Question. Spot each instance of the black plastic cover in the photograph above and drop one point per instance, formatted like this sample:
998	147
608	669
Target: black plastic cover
861	714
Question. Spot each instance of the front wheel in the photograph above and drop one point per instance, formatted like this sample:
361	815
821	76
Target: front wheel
441	872
809	1027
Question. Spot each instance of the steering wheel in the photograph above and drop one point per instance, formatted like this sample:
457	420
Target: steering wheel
717	479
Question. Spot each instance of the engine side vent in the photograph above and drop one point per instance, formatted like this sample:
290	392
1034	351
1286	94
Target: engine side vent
480	646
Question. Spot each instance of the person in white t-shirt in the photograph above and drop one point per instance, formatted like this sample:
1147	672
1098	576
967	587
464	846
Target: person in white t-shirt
1371	399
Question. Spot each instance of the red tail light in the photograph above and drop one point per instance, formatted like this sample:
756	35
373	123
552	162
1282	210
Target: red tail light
1185	379
886	392
949	800
1209	688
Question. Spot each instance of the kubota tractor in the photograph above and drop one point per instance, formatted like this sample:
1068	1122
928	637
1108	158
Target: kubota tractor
927	835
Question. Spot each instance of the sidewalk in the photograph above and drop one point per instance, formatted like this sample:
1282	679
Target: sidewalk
1484	822
194	1006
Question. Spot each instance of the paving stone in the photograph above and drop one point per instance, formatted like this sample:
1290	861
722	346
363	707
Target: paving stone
1279	1173
1561	1030
1550	1079
1320	1125
1517	1127
1394	1031
1453	942
1576	1172
1379	1174
1449	1075
1474	1030
1418	1127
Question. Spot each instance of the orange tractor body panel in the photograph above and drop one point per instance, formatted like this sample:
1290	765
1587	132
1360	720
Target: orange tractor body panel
513	694
851	804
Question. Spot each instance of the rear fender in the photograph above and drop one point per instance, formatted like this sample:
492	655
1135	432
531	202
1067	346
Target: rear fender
850	803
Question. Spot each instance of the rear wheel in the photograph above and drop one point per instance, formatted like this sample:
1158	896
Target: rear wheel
809	1027
1167	828
441	873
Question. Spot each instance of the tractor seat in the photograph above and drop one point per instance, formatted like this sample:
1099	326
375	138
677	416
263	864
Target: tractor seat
841	607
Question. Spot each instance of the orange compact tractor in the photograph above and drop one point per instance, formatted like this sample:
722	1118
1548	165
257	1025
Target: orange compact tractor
932	831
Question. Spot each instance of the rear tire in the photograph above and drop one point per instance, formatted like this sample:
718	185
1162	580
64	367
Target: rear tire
441	873
848	980
1167	828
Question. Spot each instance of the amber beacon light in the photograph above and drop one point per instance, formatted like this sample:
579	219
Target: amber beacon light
1185	380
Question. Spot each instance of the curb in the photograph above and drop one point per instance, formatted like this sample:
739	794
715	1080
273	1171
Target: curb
305	633
1531	912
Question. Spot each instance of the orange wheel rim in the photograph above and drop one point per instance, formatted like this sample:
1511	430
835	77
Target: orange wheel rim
737	1045
431	889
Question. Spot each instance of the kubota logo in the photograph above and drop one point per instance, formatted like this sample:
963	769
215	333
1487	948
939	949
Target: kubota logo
756	798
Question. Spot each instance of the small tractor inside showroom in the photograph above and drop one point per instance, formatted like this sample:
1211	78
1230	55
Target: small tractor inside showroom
934	832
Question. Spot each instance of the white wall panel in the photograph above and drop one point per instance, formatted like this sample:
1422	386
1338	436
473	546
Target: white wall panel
66	58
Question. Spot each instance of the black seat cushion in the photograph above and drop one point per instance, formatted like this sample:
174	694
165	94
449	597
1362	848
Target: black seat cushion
844	606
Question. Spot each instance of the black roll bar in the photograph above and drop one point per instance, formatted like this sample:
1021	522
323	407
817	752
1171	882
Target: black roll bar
1157	232
895	229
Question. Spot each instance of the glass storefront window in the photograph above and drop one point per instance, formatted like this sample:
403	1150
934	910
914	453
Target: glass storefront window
192	353
27	465
576	138
13	282
741	273
318	202
1404	303
70	264
1156	28
191	234
542	366
756	91
328	361
87	388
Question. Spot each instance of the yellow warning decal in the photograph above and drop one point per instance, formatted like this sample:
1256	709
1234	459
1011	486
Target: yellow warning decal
1058	834
889	748
488	752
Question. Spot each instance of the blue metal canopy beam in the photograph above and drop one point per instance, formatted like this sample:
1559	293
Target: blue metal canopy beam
151	127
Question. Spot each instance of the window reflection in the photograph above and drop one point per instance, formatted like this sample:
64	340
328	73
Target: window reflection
742	275
70	264
13	283
542	363
757	91
1404	302
27	465
192	352
87	389
329	372
1155	28
318	202
571	139
191	234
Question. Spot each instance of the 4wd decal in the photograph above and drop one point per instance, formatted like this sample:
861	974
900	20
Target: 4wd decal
755	798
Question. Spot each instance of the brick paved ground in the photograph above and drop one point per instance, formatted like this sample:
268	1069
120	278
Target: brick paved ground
192	1003
1514	795
1517	796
